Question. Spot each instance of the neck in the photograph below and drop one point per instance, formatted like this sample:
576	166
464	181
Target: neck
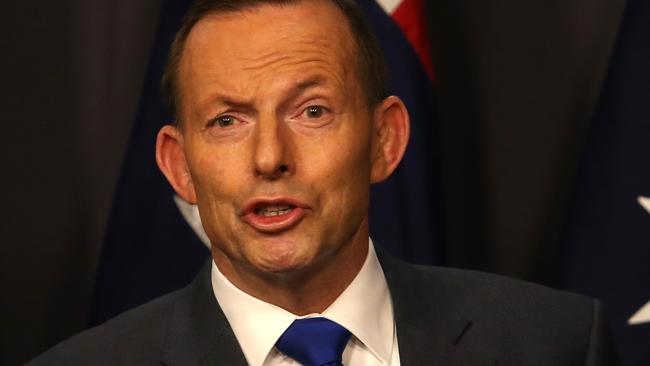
308	290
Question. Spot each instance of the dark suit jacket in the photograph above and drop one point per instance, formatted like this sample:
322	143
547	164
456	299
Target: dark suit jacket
444	317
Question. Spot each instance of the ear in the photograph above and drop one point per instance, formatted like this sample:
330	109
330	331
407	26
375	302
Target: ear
170	156
391	135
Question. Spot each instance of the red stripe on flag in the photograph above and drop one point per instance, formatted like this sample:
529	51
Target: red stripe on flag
410	17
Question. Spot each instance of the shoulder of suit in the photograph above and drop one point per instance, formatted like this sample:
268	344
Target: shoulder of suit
142	330
476	282
510	300
516	321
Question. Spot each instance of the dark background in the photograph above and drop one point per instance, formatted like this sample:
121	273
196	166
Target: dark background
517	81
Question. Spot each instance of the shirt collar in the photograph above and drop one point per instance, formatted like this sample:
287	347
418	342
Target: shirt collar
258	324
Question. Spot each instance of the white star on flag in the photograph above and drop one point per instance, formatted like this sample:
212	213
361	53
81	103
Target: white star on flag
644	202
643	315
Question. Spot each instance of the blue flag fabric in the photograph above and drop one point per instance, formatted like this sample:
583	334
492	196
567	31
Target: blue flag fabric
607	253
149	248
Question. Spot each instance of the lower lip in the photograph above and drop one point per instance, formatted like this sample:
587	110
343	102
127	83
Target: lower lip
273	224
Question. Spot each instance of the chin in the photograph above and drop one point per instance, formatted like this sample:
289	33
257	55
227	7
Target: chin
283	263
282	257
276	268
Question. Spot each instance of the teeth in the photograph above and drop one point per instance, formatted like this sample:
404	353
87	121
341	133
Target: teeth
274	210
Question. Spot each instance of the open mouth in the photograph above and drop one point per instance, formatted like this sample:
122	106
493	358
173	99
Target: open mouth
274	215
274	210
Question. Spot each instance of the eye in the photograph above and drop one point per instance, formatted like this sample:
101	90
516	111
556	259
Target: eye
315	111
223	121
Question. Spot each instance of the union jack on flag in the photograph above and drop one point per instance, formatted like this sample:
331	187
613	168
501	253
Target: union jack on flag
410	17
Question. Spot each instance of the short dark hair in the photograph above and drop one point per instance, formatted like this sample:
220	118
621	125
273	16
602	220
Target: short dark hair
371	65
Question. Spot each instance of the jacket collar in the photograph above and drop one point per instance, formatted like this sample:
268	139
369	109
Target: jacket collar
199	333
431	326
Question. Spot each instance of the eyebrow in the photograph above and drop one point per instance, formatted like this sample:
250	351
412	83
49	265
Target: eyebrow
309	83
232	103
299	88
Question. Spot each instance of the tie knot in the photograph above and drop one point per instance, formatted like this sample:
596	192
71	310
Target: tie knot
314	341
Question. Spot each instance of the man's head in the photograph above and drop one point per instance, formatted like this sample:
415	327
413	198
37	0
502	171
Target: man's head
280	140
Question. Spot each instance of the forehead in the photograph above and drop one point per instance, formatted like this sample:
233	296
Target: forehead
267	41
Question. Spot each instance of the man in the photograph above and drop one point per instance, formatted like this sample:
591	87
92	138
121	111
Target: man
283	121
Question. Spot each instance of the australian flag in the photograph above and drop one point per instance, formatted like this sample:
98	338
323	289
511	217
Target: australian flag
154	241
607	252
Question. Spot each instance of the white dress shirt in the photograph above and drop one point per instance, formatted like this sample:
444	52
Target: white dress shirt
364	308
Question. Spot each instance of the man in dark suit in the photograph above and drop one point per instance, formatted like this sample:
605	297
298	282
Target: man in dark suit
283	120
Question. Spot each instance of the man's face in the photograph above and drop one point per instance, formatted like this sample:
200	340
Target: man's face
276	135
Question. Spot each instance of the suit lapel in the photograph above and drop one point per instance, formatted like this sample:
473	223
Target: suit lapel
431	327
199	332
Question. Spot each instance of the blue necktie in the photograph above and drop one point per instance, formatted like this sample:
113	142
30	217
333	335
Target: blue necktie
314	342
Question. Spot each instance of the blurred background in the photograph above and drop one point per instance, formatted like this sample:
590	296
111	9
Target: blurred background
529	156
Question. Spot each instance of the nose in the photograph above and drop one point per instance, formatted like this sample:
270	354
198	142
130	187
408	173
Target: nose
272	152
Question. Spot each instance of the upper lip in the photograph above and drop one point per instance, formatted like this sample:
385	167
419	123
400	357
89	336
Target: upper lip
252	204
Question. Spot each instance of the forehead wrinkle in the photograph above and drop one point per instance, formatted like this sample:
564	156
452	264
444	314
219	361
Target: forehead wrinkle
294	70
299	64
302	51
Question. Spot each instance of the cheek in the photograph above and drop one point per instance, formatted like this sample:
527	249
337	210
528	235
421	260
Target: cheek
216	181
208	178
341	170
216	167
